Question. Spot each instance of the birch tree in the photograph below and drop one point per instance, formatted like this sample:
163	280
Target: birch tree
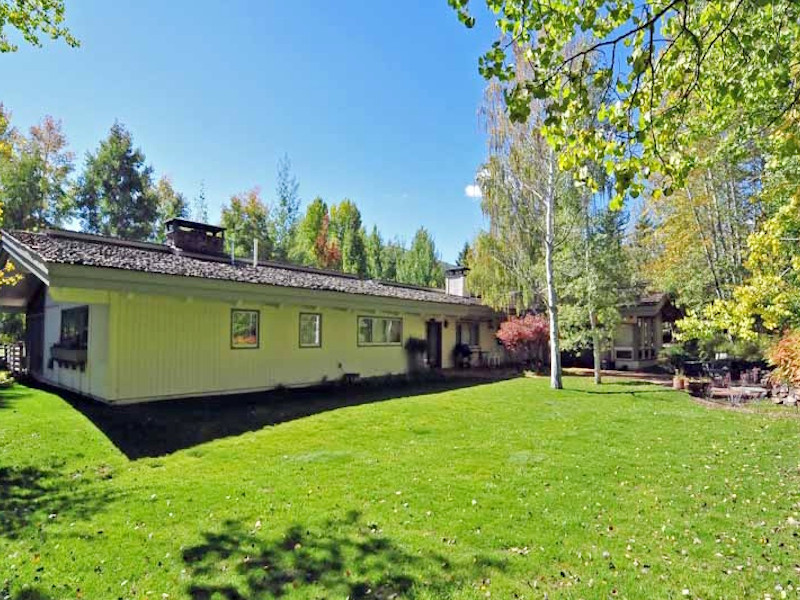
523	188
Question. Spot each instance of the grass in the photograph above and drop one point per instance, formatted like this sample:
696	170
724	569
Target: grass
507	489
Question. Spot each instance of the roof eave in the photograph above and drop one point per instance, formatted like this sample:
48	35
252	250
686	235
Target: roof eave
24	257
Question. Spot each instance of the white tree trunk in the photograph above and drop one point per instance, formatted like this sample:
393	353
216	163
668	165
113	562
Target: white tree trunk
552	296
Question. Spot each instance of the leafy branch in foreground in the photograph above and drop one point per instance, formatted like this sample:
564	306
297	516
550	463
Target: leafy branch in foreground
33	19
670	71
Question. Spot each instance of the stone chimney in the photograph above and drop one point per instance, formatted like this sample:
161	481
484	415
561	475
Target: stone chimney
195	238
455	282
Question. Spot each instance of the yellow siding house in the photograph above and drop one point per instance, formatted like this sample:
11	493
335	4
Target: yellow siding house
126	322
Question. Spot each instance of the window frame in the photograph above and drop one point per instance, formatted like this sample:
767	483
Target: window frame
257	313
75	310
300	343
374	318
469	327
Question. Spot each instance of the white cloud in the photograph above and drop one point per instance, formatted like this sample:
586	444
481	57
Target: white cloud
473	191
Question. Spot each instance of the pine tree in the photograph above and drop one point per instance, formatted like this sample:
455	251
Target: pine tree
463	256
287	211
200	205
115	194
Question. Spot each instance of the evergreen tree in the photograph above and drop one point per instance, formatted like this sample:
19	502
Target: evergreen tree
463	256
200	205
287	211
115	193
420	265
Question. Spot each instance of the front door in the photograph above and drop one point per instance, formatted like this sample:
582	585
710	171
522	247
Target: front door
434	338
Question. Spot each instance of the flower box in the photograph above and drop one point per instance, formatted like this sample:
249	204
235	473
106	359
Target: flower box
69	357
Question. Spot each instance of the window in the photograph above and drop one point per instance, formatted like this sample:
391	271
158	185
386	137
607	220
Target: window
75	328
379	331
469	333
310	330
244	329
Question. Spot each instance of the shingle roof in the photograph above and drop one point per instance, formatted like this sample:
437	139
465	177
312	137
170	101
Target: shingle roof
65	247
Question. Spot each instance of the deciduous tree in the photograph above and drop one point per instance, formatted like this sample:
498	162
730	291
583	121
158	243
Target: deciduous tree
346	229
171	205
32	20
246	219
420	264
374	252
673	71
34	177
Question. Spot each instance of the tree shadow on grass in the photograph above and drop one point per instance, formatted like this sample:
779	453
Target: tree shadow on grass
31	498
158	428
9	395
643	390
26	594
345	558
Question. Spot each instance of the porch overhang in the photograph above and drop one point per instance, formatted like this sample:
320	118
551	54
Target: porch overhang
26	278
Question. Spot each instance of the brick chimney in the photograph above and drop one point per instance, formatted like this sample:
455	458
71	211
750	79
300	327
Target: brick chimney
455	282
196	238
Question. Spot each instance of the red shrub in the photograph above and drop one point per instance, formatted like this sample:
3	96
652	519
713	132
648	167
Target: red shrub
525	337
785	356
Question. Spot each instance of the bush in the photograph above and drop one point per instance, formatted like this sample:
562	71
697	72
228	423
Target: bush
416	346
676	356
6	380
461	354
525	338
784	355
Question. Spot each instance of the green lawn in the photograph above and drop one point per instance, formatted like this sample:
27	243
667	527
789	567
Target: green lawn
507	489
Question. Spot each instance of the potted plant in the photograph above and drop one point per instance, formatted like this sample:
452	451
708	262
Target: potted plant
676	356
416	348
462	354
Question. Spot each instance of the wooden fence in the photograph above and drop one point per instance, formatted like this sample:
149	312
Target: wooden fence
14	357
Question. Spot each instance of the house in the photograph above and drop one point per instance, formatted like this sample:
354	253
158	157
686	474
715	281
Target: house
125	322
640	334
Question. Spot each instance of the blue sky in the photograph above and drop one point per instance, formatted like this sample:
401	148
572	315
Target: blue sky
373	100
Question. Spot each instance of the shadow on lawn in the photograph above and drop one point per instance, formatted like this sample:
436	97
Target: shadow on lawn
7	395
345	558
158	428
31	498
27	594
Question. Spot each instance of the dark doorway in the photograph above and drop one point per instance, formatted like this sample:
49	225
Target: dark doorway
34	331
34	342
434	338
